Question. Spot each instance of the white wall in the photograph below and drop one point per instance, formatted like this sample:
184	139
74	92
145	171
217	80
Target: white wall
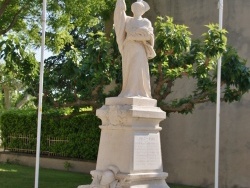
188	141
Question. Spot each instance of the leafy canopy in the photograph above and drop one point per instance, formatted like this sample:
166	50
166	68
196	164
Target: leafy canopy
86	66
178	56
82	71
20	30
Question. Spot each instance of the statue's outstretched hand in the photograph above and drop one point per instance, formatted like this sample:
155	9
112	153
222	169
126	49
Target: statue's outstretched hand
121	4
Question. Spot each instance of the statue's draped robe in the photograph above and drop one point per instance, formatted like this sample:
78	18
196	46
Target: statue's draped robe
135	52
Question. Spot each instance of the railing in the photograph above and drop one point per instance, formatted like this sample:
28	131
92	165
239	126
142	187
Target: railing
54	141
27	144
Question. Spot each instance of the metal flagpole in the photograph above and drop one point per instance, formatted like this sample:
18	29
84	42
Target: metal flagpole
217	141
40	95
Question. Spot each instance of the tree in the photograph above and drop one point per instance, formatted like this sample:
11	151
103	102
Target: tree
87	61
79	74
20	28
77	77
17	70
18	32
178	56
14	15
63	15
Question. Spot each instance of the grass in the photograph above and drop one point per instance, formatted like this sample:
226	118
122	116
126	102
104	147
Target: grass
17	176
12	175
180	186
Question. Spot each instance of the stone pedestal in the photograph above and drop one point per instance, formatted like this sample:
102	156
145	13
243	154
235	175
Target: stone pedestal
130	150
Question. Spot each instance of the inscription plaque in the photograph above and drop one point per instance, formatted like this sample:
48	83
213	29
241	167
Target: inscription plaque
147	155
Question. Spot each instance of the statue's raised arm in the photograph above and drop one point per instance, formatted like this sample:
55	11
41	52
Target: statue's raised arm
120	4
119	21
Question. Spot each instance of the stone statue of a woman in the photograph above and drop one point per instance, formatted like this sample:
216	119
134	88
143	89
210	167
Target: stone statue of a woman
135	40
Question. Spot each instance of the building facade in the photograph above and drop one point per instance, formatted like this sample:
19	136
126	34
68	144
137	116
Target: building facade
188	141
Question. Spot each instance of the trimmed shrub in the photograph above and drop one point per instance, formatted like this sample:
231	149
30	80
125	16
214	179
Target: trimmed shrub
70	136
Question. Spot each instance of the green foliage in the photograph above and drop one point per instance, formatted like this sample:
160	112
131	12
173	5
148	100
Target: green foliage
24	16
20	30
172	42
77	77
19	61
235	75
67	165
19	15
17	70
65	16
215	41
178	57
87	61
76	132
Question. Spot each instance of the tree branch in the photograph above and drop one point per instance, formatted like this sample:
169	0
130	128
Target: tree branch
167	108
13	21
188	106
4	6
78	103
7	97
159	83
24	100
168	90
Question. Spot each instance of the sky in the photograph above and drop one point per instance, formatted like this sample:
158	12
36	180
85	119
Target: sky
38	54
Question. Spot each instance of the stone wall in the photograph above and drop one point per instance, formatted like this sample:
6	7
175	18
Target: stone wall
188	141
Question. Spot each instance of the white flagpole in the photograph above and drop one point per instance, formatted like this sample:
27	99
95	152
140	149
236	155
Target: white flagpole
217	141
38	145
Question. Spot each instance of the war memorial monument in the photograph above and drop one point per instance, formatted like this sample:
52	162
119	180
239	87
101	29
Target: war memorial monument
129	153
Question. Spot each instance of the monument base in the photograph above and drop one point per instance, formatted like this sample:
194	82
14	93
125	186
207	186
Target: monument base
129	153
138	180
143	180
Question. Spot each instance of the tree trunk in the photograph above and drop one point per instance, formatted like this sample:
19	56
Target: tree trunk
108	25
24	100
7	97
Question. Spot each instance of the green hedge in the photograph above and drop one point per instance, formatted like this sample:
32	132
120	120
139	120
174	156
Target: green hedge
79	134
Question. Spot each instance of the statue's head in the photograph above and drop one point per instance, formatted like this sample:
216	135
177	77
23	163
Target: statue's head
140	7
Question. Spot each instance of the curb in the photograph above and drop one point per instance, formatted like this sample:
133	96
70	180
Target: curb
46	162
